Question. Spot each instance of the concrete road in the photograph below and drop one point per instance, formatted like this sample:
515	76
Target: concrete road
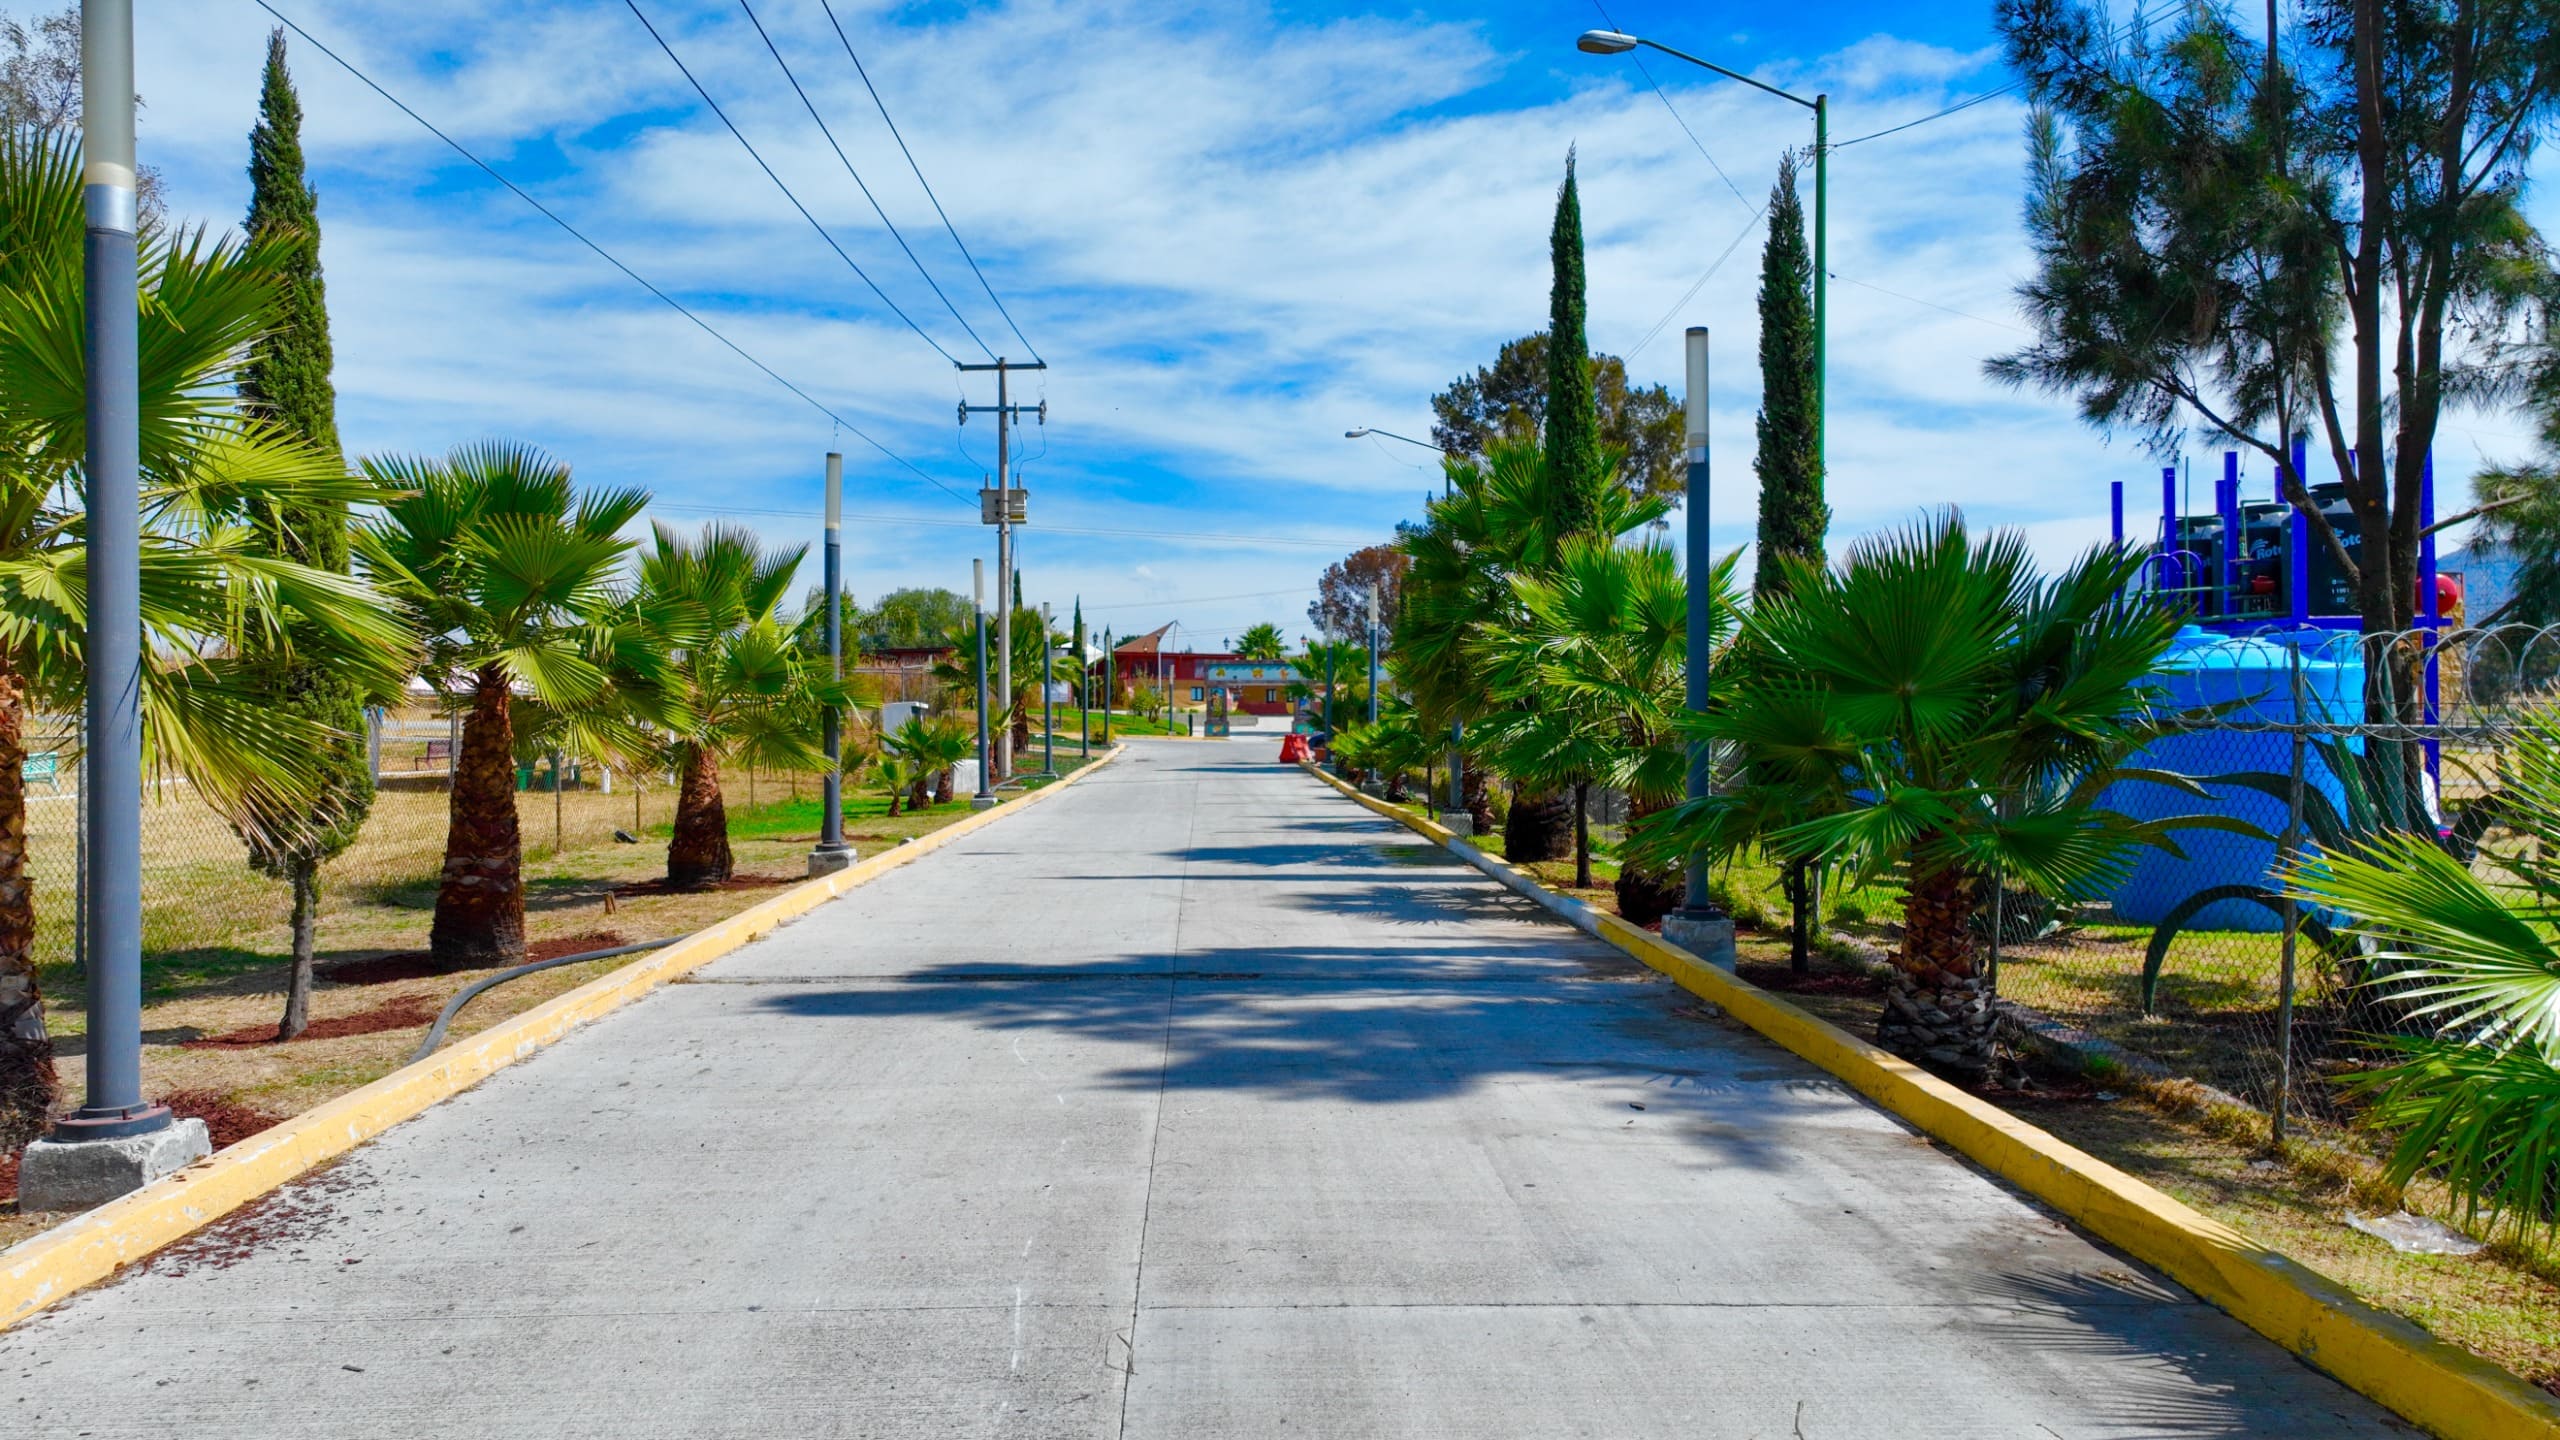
1194	1103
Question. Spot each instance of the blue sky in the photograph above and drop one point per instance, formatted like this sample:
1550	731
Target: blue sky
1234	231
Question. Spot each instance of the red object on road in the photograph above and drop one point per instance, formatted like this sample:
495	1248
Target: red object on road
1293	749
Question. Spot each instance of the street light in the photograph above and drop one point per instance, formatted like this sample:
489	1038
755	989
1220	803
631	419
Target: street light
1700	926
1363	432
1614	42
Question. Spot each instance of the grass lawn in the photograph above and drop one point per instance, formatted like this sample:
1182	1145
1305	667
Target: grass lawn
215	972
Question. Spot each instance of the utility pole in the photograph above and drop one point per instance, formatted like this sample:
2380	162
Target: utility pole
117	1142
1005	510
985	799
832	854
1699	926
1110	682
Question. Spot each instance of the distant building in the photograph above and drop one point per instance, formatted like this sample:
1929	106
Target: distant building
1255	687
1181	674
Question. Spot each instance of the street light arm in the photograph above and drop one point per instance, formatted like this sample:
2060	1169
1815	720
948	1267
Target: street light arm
1711	65
1366	431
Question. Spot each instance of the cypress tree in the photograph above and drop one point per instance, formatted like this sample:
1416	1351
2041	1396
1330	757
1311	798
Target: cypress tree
1573	460
1540	825
1793	517
286	383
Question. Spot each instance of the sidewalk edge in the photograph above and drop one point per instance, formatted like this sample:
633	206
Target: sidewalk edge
2449	1391
43	1269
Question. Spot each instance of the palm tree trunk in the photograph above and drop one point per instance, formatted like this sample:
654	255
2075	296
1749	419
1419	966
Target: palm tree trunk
1477	794
1582	835
1645	894
1540	827
306	925
1938	1010
1797	881
27	1080
698	852
942	786
480	905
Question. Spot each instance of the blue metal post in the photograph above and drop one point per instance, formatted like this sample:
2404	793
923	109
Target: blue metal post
2230	508
2115	511
2297	545
1699	925
2173	570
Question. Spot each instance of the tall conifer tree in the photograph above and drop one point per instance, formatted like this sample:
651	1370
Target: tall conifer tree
1793	517
1573	460
286	383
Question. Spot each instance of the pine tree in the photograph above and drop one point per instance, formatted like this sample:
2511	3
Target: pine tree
286	382
1575	470
1793	517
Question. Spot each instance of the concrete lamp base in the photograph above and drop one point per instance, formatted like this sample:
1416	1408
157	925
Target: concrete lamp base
1707	934
78	1174
826	861
1458	822
983	802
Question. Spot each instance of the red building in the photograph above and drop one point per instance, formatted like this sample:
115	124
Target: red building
1183	675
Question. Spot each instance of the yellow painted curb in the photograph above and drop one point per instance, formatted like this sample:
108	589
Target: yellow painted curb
44	1268
2448	1390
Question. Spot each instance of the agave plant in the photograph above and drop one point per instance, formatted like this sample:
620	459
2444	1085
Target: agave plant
2475	959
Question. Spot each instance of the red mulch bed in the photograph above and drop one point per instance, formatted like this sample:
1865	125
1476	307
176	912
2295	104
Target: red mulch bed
419	965
660	886
1821	982
400	1012
230	1121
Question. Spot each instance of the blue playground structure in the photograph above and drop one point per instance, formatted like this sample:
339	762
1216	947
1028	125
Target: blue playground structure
2273	644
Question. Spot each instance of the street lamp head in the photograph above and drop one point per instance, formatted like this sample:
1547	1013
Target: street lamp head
1355	434
1605	42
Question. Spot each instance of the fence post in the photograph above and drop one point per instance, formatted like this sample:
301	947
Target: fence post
2287	852
79	866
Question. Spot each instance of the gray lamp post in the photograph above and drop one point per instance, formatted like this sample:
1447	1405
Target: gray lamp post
985	799
1048	677
1699	926
831	853
118	1141
1612	42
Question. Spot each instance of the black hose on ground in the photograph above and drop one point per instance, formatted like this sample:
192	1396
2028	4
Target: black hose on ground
472	991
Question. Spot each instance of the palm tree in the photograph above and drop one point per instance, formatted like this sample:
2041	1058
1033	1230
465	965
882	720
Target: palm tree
2476	962
733	682
927	750
1591	686
1263	642
1497	522
210	588
512	577
1933	708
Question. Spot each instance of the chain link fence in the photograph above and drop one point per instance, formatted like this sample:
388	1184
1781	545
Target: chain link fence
200	897
2197	968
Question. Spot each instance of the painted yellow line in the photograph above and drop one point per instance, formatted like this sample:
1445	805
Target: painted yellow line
2447	1390
43	1269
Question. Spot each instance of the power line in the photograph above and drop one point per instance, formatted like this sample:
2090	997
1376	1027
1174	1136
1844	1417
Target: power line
634	6
806	104
1932	304
1647	73
1692	293
877	519
883	107
1957	108
607	256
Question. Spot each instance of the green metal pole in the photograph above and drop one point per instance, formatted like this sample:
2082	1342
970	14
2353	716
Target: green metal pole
1821	281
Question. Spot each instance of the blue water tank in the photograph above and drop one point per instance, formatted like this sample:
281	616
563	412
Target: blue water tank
2252	674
